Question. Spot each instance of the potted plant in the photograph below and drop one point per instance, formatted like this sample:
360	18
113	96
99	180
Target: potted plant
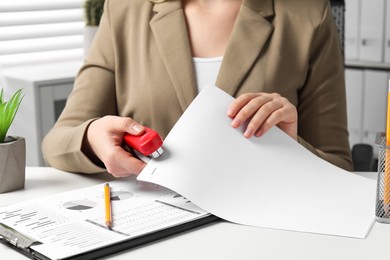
12	148
93	10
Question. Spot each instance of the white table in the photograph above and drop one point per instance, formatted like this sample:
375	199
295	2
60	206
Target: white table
219	240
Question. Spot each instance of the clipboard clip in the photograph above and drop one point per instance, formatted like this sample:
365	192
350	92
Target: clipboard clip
16	239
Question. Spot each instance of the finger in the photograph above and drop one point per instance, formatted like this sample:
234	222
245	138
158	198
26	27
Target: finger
249	110
239	103
125	124
121	163
260	117
277	117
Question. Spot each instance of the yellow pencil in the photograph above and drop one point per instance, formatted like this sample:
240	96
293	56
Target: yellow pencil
107	200
386	195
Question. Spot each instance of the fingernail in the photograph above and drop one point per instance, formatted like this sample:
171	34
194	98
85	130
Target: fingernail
235	122
230	112
137	128
248	133
259	133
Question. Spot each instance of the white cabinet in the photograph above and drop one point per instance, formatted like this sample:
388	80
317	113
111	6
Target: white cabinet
366	27
352	19
366	104
46	88
372	30
387	34
367	55
375	104
354	90
53	98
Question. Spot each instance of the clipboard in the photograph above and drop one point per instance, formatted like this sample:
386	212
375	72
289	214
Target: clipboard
42	229
13	236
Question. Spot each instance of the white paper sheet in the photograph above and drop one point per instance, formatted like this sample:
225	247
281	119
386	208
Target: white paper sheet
271	181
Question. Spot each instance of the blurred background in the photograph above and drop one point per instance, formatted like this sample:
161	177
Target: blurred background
43	43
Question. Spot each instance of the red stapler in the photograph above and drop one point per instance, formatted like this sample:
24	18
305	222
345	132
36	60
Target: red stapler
148	143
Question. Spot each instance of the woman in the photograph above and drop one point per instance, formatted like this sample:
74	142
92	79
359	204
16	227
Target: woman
281	59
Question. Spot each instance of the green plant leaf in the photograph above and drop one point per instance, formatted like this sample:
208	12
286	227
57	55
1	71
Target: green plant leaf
1	96
8	111
93	10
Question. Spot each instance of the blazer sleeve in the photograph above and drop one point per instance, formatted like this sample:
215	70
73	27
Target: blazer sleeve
93	96
322	124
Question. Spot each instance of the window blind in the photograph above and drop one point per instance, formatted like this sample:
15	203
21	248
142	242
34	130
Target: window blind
40	30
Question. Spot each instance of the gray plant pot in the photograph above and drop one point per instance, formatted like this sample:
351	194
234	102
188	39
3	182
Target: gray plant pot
12	164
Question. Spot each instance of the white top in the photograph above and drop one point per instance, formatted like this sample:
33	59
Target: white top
206	70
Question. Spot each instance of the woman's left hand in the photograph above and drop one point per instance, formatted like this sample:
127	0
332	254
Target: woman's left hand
264	110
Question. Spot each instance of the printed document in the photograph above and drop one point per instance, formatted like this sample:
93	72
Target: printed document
71	223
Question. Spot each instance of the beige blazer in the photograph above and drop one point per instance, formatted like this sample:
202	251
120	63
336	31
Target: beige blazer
140	66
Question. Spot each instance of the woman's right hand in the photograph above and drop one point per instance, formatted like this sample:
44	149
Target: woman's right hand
104	140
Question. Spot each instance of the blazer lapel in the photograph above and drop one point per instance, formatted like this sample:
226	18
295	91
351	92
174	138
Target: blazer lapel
169	28
250	33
